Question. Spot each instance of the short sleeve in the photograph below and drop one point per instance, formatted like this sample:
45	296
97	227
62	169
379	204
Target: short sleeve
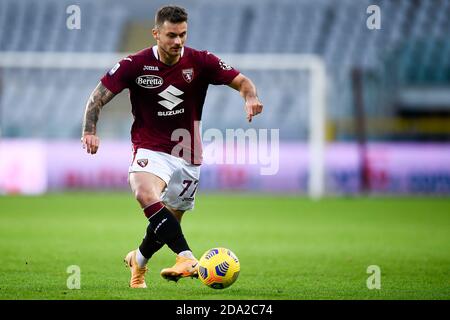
118	77
217	71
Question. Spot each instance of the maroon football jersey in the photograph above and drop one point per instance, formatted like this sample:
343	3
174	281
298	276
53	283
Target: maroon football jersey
166	98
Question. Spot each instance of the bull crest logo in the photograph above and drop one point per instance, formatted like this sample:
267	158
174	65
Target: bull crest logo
188	74
142	162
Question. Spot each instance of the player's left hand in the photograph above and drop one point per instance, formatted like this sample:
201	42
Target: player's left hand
90	143
253	107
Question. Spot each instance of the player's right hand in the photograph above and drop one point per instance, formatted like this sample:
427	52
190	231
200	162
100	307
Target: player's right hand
253	107
90	143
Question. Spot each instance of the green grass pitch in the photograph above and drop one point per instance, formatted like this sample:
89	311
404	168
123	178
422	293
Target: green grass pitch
289	247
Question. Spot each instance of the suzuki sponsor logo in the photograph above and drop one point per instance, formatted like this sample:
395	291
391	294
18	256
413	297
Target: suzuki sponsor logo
149	81
170	113
170	95
171	100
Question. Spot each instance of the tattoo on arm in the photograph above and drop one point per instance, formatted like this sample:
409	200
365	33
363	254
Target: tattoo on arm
98	98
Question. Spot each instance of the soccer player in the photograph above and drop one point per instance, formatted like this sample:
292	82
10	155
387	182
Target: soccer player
167	85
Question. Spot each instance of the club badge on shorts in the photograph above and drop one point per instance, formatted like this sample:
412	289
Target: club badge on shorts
188	74
142	162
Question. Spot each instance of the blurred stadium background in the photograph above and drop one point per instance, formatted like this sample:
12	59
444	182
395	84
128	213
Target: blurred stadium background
387	91
386	128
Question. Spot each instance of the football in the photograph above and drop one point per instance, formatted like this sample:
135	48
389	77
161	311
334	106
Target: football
218	268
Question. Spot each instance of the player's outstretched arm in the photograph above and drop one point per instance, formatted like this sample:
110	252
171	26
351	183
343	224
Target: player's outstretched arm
98	98
248	91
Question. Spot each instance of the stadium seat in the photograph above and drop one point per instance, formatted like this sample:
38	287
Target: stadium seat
337	33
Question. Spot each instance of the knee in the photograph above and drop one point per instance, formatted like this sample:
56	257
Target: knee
145	197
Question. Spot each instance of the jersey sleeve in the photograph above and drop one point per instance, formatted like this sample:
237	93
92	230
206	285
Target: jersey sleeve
118	78
217	71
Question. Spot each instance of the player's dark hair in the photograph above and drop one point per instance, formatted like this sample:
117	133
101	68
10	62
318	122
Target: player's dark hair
173	14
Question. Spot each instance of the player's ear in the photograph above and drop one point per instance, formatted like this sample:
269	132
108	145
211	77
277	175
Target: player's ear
155	33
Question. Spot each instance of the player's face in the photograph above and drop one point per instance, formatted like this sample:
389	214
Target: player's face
171	37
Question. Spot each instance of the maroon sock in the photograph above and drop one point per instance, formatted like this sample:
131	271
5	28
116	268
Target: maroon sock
152	209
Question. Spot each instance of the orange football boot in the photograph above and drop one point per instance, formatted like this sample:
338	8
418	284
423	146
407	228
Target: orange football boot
137	274
183	267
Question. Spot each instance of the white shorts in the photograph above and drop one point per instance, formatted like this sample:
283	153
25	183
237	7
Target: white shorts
181	177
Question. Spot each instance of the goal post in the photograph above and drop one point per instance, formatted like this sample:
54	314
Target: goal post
317	108
313	64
